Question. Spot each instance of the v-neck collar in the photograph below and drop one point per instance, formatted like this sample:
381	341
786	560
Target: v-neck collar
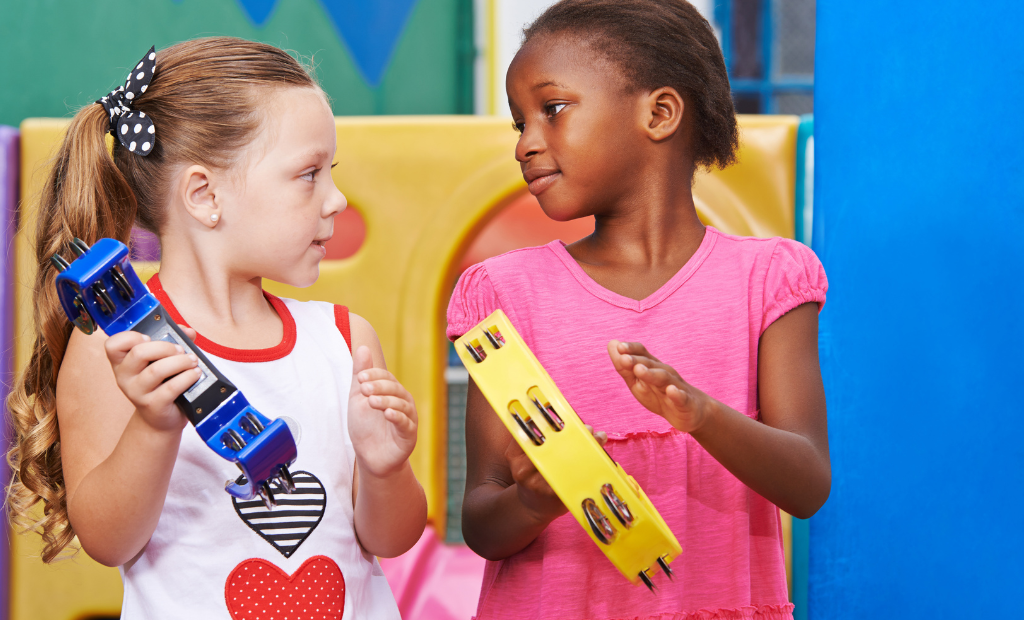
703	250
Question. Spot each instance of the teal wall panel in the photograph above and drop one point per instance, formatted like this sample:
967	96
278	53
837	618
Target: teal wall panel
58	55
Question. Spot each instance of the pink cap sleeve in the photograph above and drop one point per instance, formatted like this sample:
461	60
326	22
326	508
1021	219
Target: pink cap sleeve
795	276
473	300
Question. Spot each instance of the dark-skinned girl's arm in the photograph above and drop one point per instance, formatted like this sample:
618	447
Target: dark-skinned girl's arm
784	456
507	502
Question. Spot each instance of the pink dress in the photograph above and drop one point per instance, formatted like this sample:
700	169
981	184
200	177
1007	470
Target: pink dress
705	322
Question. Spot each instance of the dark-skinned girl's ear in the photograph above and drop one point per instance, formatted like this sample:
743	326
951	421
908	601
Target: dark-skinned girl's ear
664	108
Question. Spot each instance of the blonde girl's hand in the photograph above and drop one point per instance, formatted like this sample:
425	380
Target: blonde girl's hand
658	387
382	418
152	373
535	493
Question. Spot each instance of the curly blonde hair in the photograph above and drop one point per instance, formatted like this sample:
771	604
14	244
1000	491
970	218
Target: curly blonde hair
205	101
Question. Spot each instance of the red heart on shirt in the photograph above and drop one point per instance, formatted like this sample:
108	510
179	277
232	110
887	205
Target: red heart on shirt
258	590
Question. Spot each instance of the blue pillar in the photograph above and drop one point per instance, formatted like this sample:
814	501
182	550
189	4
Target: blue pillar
919	220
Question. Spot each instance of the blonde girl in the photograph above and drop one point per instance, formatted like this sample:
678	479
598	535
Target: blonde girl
236	183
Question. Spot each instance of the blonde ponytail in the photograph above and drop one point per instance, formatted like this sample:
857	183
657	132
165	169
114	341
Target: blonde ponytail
85	196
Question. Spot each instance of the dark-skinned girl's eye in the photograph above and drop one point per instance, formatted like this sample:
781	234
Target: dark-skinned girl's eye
555	108
519	127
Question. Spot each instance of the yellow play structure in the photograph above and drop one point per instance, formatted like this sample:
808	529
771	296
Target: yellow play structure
424	186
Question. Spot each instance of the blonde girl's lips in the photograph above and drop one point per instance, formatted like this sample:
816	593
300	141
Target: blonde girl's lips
321	248
540	184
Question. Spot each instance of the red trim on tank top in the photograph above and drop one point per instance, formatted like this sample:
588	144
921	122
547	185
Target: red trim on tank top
235	355
341	320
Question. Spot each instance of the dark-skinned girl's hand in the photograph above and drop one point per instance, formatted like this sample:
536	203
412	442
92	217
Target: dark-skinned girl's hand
534	491
658	387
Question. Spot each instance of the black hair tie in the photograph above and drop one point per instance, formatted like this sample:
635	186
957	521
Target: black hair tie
133	128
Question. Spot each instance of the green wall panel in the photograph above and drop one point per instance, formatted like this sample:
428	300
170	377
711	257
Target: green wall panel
57	55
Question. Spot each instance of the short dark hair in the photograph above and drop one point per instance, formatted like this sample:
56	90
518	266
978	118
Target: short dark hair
658	43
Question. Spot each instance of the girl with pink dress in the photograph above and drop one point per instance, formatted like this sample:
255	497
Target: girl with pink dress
691	352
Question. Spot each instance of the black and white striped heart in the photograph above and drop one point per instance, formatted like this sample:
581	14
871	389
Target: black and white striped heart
293	519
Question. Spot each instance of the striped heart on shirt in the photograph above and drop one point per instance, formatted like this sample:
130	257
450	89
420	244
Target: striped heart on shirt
294	518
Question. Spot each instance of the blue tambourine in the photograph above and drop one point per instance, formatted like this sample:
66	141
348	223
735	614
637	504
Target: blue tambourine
100	288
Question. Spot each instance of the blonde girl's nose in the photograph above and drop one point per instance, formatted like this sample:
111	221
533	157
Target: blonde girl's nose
336	202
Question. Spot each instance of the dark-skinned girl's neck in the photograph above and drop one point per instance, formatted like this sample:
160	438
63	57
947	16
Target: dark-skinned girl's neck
643	239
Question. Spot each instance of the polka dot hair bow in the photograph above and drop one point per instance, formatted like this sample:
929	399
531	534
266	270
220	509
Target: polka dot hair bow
133	128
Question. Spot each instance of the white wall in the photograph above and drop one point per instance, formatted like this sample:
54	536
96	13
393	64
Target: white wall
706	8
504	20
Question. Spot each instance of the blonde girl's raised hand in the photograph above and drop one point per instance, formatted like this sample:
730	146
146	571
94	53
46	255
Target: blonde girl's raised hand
658	387
390	505
152	374
382	417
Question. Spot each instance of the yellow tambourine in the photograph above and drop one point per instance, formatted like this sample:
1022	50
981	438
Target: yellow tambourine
608	504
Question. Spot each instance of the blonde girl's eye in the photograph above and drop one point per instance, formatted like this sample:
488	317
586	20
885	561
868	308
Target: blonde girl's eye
311	175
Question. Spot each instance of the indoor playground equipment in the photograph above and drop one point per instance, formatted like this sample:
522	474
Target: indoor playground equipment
565	452
425	188
99	289
9	167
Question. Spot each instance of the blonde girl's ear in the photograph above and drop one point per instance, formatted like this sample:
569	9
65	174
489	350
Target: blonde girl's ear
663	113
199	195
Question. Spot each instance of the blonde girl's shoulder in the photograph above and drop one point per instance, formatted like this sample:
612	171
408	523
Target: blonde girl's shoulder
85	379
363	335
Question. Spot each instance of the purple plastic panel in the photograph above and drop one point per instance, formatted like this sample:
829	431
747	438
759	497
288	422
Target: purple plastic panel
9	169
144	245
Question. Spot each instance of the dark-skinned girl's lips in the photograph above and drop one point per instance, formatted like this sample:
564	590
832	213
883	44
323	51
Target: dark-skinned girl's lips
541	183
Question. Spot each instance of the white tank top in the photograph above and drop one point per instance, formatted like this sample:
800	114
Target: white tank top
211	557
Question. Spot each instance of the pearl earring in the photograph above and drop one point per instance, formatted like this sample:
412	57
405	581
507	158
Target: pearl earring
214	217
